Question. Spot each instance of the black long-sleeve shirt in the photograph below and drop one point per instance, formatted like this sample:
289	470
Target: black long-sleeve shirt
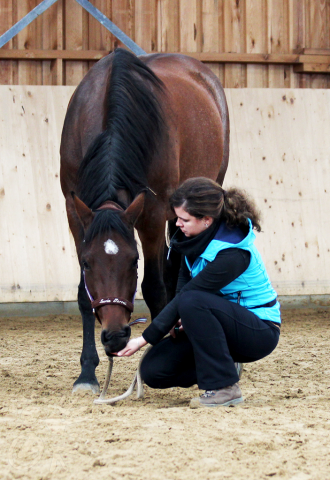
227	265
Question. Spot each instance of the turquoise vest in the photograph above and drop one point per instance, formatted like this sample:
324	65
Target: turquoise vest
253	285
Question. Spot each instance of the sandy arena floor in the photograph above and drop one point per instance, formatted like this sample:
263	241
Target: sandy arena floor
281	431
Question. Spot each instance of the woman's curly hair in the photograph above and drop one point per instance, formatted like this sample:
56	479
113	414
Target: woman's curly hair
202	197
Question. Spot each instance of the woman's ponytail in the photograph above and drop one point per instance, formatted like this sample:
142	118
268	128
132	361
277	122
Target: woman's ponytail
238	207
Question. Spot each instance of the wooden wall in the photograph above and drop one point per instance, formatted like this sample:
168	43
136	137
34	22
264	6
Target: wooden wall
272	29
280	146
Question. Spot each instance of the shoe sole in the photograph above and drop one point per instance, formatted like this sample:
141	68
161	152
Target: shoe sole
195	403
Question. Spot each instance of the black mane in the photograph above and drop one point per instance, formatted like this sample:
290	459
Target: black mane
120	156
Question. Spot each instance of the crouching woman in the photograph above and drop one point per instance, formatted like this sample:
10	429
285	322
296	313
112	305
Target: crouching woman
225	309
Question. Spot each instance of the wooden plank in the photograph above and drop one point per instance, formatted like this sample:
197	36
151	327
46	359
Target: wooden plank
169	26
58	67
210	30
293	78
36	54
318	35
256	40
6	21
278	41
234	42
76	38
49	41
312	68
188	26
145	25
99	38
312	51
29	73
123	15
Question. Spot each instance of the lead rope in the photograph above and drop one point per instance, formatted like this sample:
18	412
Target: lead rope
137	379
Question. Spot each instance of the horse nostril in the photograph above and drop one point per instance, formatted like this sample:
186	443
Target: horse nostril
103	337
107	336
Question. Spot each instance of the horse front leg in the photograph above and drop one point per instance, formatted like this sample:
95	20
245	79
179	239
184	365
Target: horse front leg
89	358
153	286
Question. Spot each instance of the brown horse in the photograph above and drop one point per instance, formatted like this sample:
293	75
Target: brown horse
134	130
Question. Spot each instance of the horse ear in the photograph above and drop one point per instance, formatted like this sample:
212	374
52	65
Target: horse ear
135	209
84	213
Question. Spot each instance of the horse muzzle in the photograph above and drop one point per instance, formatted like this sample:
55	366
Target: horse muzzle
113	342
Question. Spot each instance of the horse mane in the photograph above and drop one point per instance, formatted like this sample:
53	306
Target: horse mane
104	222
119	157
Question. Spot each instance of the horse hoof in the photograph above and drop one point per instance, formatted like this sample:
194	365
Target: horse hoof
93	388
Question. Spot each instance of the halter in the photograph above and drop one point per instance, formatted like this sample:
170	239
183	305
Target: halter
100	302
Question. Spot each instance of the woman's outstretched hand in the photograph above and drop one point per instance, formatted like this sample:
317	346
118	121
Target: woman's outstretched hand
133	346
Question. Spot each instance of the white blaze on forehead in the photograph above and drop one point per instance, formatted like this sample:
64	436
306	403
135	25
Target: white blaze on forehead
110	247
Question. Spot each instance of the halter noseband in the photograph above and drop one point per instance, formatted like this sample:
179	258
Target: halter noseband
113	301
100	302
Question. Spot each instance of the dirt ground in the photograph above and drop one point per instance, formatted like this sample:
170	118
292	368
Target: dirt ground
281	431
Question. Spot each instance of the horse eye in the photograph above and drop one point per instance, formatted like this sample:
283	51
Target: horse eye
85	265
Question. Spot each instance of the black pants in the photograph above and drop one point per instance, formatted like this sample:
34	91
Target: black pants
217	333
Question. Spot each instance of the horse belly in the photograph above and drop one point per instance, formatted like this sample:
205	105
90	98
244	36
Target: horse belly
200	135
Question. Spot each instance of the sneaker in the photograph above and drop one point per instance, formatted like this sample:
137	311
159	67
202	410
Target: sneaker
224	397
239	368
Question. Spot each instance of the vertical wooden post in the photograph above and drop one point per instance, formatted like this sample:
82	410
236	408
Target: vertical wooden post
189	34
211	38
123	15
169	25
234	19
60	43
145	25
256	40
277	41
6	21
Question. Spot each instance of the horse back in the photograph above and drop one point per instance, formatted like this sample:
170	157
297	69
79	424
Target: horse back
197	114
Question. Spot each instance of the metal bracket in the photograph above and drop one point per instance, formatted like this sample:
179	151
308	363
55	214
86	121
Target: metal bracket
45	4
25	21
126	40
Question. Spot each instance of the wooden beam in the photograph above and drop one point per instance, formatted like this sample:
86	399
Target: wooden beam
34	54
52	54
312	68
312	51
302	63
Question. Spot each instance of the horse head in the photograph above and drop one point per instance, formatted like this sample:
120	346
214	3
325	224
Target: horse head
108	257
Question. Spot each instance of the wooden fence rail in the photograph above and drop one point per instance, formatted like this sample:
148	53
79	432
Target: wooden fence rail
247	43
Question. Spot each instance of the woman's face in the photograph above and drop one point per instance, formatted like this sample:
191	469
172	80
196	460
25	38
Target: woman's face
189	225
